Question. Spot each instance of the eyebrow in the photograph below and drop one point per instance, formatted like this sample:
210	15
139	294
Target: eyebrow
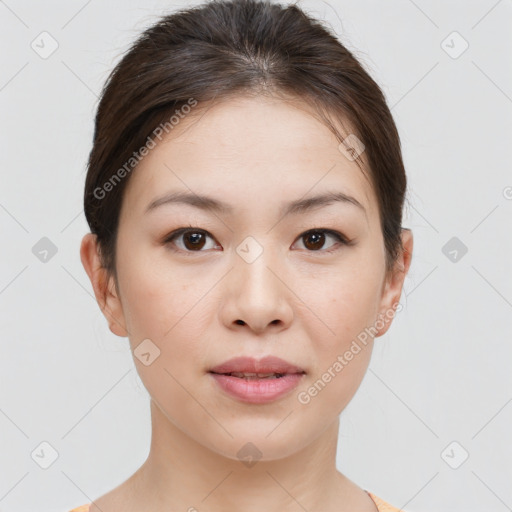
297	206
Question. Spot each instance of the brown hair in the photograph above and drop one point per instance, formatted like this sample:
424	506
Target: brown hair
220	49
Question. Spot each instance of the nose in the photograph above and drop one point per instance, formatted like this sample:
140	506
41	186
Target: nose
256	295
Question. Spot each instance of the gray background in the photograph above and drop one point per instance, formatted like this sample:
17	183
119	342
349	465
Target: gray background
441	375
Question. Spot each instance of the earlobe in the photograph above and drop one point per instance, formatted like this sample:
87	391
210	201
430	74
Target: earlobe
103	285
390	300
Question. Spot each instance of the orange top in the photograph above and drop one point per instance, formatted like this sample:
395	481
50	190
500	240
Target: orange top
382	506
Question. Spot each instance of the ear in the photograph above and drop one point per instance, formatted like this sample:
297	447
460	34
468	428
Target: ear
392	289
103	285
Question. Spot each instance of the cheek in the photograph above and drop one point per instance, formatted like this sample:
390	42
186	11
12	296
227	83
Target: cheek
345	303
342	351
164	311
166	314
156	299
159	309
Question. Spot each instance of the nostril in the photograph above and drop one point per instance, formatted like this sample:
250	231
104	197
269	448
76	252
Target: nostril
240	322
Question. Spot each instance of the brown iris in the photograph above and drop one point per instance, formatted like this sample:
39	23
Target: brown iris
317	240
197	240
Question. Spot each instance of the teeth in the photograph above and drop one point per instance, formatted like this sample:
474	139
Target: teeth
255	375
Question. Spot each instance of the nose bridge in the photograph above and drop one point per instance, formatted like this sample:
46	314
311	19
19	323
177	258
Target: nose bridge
256	265
257	296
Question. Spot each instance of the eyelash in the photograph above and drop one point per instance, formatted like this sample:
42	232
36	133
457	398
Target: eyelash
178	232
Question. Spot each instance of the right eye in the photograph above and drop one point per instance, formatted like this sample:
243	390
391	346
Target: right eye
193	239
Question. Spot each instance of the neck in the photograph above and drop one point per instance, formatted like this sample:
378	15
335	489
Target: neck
182	474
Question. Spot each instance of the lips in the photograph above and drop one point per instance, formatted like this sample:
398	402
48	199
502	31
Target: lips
257	381
249	367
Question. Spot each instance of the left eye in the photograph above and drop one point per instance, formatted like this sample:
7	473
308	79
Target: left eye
195	240
315	239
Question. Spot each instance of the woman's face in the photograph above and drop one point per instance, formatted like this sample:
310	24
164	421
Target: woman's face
246	280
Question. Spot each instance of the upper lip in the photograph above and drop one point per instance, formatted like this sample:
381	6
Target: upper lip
268	364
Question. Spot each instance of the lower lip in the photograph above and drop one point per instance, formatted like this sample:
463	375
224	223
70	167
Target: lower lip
257	391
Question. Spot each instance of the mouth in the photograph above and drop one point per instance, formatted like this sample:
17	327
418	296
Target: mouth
254	376
257	381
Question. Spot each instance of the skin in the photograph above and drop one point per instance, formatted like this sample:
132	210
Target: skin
203	307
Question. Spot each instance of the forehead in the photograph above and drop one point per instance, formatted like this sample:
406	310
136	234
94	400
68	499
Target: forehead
248	149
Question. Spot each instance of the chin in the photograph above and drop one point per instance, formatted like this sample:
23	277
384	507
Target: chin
260	440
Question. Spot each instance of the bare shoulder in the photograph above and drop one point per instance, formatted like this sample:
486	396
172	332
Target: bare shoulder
354	498
112	501
120	499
